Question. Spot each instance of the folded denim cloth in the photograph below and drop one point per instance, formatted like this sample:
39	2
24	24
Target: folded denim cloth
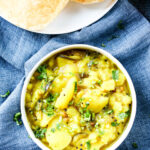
20	50
143	6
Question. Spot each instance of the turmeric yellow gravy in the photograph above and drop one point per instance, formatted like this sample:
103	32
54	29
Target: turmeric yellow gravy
78	99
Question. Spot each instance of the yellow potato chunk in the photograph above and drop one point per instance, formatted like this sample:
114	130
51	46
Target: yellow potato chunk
51	62
73	113
74	121
93	137
67	67
59	139
63	61
96	104
120	102
82	65
78	137
28	97
38	115
91	80
37	93
66	95
109	135
121	79
45	120
68	70
70	148
126	100
59	83
108	85
30	86
105	74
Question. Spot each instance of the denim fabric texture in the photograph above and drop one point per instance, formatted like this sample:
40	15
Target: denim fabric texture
20	50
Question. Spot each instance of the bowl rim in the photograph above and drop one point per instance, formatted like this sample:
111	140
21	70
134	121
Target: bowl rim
129	125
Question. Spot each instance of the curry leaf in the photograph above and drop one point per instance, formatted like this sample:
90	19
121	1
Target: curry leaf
53	130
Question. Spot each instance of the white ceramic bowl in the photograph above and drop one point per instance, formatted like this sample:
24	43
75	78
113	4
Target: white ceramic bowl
87	47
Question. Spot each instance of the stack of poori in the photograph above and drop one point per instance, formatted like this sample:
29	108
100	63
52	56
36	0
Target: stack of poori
34	14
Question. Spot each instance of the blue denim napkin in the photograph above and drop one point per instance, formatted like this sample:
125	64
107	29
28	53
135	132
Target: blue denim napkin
20	50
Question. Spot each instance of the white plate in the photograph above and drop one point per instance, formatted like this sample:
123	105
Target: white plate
75	16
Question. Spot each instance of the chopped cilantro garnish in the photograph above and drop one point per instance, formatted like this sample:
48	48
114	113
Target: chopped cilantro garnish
5	95
103	45
100	132
71	103
91	63
71	73
29	136
76	88
87	115
17	118
96	125
53	130
42	70
113	37
43	86
109	111
58	127
88	143
99	82
87	104
81	99
43	75
80	82
93	116
81	111
93	84
115	74
120	25
128	112
124	115
40	133
49	109
134	145
114	124
52	97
